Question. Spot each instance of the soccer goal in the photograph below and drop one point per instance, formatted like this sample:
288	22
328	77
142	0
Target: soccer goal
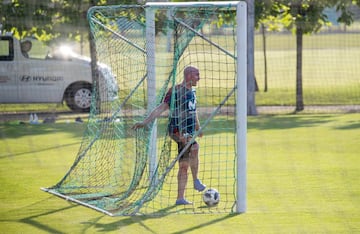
121	171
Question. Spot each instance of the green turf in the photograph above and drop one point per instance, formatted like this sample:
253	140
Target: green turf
303	177
25	107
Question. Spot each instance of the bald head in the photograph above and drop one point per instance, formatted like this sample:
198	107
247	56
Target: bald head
191	76
189	70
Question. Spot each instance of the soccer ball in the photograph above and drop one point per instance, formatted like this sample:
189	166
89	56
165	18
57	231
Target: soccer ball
211	197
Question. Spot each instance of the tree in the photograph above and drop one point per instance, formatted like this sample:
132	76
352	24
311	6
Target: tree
24	18
251	82
303	17
48	20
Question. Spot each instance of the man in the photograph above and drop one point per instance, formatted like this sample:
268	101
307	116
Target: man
25	48
183	124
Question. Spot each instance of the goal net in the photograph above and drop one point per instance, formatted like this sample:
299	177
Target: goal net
121	171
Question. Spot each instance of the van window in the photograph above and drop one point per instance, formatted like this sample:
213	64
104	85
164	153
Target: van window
6	49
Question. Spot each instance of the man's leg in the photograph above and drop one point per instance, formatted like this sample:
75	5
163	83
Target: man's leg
182	181
194	165
194	160
182	178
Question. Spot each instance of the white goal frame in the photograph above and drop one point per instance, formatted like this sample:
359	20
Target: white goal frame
241	90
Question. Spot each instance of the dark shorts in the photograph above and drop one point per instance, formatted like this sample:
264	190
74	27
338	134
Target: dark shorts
187	153
181	146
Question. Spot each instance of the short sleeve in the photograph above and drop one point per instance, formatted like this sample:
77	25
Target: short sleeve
167	98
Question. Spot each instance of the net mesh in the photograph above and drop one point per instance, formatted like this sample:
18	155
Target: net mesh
112	171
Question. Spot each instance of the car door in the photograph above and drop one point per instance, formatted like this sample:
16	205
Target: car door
40	80
8	80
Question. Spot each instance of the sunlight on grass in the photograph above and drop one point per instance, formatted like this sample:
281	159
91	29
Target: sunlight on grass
302	177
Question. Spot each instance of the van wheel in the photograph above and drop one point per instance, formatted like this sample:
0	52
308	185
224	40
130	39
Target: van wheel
78	97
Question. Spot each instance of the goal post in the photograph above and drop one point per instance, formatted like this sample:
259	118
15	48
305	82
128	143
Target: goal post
119	171
241	103
151	83
241	107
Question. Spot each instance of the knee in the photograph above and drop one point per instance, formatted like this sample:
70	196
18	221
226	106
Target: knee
194	150
182	171
195	146
183	166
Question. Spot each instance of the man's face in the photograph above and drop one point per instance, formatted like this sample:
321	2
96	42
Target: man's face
26	46
194	77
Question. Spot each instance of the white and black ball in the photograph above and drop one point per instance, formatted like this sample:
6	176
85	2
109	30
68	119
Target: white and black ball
211	197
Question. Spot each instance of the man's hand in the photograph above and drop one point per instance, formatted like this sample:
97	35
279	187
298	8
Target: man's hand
152	116
185	138
138	125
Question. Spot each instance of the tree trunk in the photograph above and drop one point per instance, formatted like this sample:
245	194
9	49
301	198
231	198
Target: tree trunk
265	57
94	67
299	88
251	107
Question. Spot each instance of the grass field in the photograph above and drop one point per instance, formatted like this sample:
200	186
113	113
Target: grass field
303	177
329	69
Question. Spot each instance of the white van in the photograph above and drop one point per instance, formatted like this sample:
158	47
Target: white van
52	79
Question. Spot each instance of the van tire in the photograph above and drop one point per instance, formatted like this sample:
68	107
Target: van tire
78	97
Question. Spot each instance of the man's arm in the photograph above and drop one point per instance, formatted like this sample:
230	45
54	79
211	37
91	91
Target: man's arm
197	125
153	115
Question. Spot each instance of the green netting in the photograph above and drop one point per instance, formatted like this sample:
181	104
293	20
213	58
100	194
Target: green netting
112	172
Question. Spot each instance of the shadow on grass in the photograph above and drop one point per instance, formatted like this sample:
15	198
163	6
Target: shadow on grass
287	121
38	150
22	130
139	220
350	126
206	224
41	226
31	219
34	214
222	125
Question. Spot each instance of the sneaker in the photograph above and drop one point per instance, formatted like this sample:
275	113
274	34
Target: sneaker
183	201
199	186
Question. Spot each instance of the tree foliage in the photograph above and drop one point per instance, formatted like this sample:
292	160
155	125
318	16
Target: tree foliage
309	14
58	19
301	17
47	20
